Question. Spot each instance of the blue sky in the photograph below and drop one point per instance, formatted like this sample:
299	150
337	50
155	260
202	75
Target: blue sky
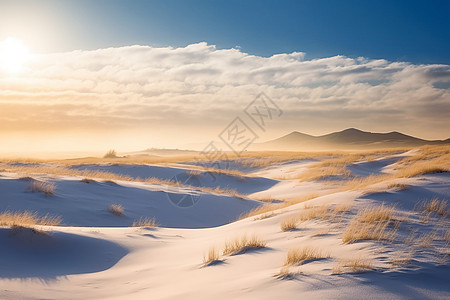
414	31
151	68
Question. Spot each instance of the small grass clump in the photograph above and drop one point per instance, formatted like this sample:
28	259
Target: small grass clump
398	186
87	180
36	186
270	207
372	223
376	214
401	260
289	223
357	230
211	257
355	265
314	212
194	173
436	205
242	245
116	209
264	216
110	154
285	274
298	256
27	219
145	222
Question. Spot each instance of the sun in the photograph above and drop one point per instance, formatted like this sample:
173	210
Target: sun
13	55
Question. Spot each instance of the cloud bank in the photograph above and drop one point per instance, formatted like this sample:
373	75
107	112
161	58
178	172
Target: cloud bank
198	88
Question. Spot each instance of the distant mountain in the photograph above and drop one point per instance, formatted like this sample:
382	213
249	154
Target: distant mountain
347	139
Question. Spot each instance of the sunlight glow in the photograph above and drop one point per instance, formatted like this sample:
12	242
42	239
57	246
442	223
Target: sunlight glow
13	55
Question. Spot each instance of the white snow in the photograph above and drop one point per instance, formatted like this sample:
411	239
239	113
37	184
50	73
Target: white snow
96	255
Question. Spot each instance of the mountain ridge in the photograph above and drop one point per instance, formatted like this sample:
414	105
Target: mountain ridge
350	138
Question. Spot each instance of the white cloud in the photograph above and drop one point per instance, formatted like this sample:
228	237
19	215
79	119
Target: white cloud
199	85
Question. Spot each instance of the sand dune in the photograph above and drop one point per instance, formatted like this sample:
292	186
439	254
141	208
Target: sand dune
97	255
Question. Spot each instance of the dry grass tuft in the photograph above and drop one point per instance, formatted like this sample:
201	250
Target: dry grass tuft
314	213
242	245
211	257
110	154
36	186
435	205
298	256
363	182
446	236
372	223
116	209
339	210
401	260
426	240
87	180
194	173
264	216
289	223
355	265
398	186
270	207
320	232
317	173
376	214
145	222
285	274
376	231
27	219
61	170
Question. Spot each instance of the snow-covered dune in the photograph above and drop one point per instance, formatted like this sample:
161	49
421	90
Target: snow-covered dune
86	204
97	255
242	184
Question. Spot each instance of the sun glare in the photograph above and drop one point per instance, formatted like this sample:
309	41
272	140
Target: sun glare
13	55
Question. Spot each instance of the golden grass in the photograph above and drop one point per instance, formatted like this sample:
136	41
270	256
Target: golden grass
264	216
357	231
270	207
194	173
116	209
212	256
428	153
242	244
446	236
298	256
289	223
398	186
316	173
429	159
426	240
355	265
376	214
403	259
286	273
339	210
314	212
36	186
363	182
246	159
337	166
436	205
110	154
145	222
26	219
229	172
421	169
87	180
60	170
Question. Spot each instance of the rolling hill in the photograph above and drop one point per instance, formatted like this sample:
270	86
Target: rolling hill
347	139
